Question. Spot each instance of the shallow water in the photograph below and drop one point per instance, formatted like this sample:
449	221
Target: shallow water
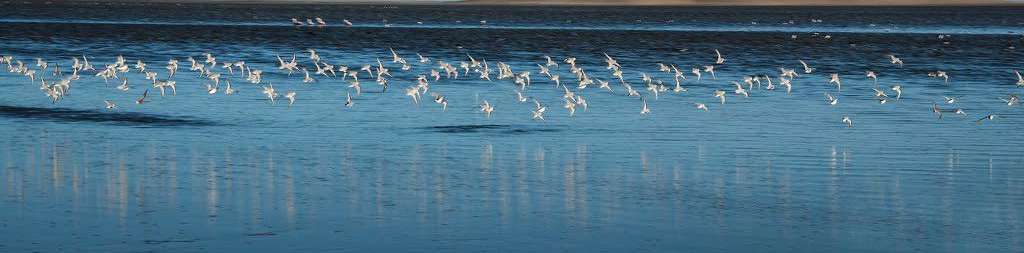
773	172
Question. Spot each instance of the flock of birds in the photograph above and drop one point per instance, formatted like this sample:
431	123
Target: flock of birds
56	83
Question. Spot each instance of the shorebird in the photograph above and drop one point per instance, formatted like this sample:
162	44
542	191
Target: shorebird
347	23
807	69
538	112
895	60
987	117
711	69
348	100
271	93
873	76
612	63
831	100
644	110
719	59
720	94
439	99
143	98
124	85
701	106
941	74
290	95
936	110
291	66
228	90
899	91
110	105
1011	100
1020	79
487	108
847	121
414	93
835	80
740	90
320	21
696	71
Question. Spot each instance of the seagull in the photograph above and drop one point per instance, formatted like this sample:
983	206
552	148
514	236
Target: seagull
873	76
846	119
110	105
320	21
347	23
937	110
899	91
696	71
719	59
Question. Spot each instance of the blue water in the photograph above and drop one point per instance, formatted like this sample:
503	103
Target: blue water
773	172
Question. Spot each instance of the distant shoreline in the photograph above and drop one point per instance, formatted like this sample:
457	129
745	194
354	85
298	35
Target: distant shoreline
652	3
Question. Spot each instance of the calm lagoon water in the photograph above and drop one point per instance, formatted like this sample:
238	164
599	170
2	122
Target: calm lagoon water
772	172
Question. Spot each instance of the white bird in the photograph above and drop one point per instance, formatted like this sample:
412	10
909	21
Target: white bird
644	110
895	60
271	93
348	100
701	106
538	112
847	121
291	97
807	69
1020	79
835	80
110	105
873	76
438	98
719	59
710	69
899	91
831	100
487	108
720	94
